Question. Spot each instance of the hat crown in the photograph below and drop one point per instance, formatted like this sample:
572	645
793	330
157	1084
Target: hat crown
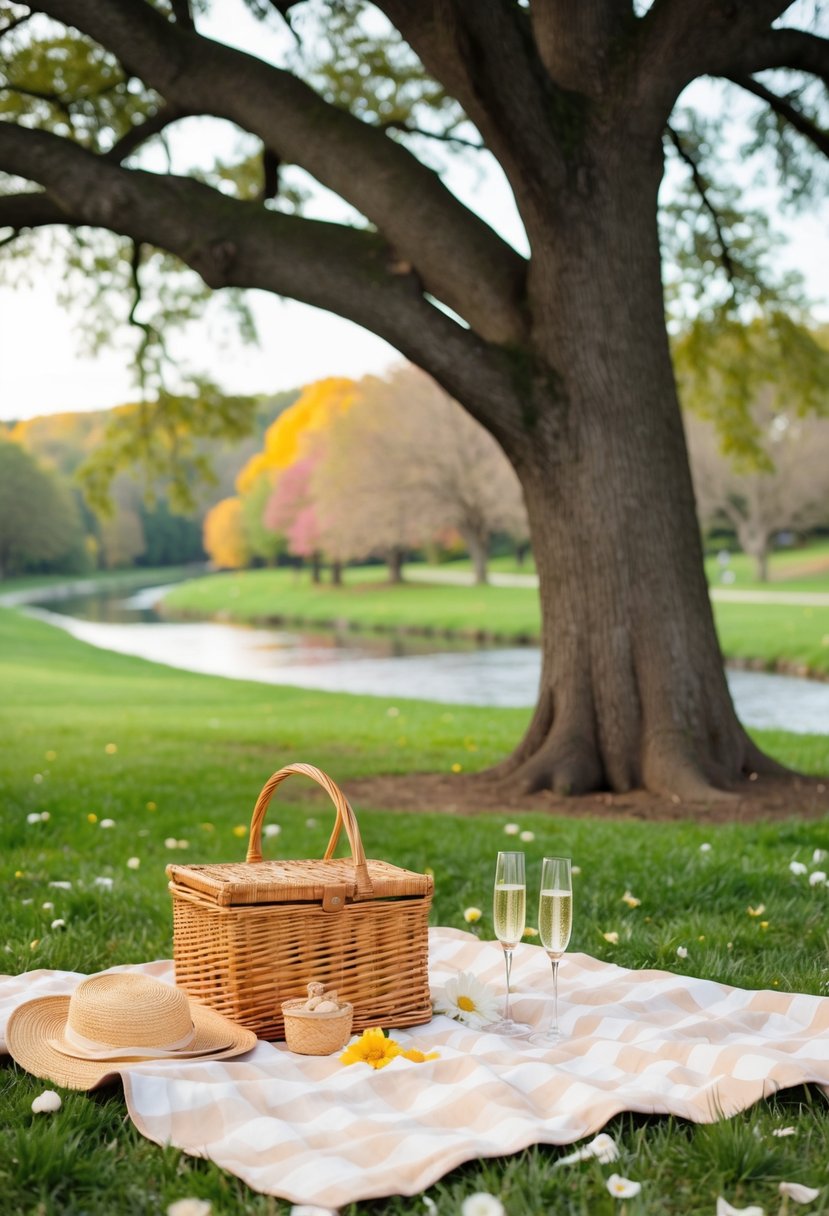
129	1010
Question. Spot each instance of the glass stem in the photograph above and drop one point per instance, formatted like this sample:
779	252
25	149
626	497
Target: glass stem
554	961
508	963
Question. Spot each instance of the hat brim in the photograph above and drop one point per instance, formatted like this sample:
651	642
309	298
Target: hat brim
32	1025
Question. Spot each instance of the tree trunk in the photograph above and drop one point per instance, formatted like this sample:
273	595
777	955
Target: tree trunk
337	574
761	564
479	553
316	568
395	564
632	689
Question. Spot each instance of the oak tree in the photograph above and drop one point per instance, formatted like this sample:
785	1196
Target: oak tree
561	354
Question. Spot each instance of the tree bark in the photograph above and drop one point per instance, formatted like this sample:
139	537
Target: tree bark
316	568
394	560
632	690
479	553
337	573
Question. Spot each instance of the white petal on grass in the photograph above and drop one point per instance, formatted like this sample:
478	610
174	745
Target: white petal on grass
819	855
724	1208
60	923
33	817
797	867
190	1207
481	1203
133	863
817	878
622	1188
104	883
784	1131
48	906
47	1103
170	843
271	829
602	1147
705	847
682	952
799	1193
61	886
107	823
512	829
527	837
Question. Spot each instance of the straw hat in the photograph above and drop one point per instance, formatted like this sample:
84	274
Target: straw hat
115	1020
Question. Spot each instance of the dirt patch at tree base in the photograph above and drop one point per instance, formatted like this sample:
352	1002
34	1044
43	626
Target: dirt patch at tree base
766	798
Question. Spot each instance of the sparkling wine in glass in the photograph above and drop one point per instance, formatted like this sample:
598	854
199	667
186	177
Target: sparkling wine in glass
555	923
509	909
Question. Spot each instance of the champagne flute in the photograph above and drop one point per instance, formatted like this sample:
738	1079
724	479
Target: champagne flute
509	904
555	923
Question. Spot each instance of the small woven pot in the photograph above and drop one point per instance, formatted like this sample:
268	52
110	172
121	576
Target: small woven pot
309	1033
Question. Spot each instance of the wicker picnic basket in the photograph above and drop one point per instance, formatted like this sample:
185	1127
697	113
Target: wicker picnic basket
248	936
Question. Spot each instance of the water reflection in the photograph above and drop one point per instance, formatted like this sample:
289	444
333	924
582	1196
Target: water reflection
382	665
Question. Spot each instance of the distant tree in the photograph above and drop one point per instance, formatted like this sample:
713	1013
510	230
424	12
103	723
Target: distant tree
263	542
170	539
463	478
224	537
40	525
290	512
790	490
121	530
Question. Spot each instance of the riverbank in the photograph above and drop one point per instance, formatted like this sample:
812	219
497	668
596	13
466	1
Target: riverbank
51	588
792	639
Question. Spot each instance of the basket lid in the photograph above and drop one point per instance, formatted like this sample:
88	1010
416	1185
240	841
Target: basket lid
288	881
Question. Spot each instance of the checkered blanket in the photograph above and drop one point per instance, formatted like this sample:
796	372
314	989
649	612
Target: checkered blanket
312	1130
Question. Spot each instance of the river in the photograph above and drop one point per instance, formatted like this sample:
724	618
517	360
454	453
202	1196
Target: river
388	665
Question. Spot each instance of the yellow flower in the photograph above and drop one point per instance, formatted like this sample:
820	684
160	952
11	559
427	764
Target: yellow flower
50	755
372	1048
111	749
419	1057
34	945
472	915
92	817
240	830
630	900
151	806
529	932
758	911
456	768
612	937
764	924
19	874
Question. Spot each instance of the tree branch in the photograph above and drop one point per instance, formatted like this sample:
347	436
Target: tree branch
459	258
782	106
783	48
230	243
679	41
575	39
444	136
701	187
138	135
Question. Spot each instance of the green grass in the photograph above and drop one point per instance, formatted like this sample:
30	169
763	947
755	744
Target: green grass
191	755
134	576
788	570
767	632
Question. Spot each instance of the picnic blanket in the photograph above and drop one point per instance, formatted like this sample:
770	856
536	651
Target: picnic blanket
312	1130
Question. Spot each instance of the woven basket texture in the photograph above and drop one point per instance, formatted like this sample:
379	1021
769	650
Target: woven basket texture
316	1034
248	936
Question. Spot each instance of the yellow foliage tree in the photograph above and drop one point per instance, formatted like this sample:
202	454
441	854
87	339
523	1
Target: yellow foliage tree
287	439
224	538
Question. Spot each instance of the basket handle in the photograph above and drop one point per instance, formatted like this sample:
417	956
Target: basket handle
345	818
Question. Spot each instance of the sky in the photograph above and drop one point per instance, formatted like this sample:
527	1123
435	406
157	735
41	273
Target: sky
43	371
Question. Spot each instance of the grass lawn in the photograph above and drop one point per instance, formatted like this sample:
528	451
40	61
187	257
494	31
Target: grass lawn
769	632
167	754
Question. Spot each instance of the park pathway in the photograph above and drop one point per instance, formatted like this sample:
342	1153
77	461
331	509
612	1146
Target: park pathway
438	574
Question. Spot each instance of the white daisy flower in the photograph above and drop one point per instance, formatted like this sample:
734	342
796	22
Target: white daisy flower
512	829
819	855
622	1188
797	867
62	886
60	923
33	817
133	863
466	999
817	878
784	1131
527	836
472	915
105	883
107	823
482	1204
800	1194
682	952
271	829
705	847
